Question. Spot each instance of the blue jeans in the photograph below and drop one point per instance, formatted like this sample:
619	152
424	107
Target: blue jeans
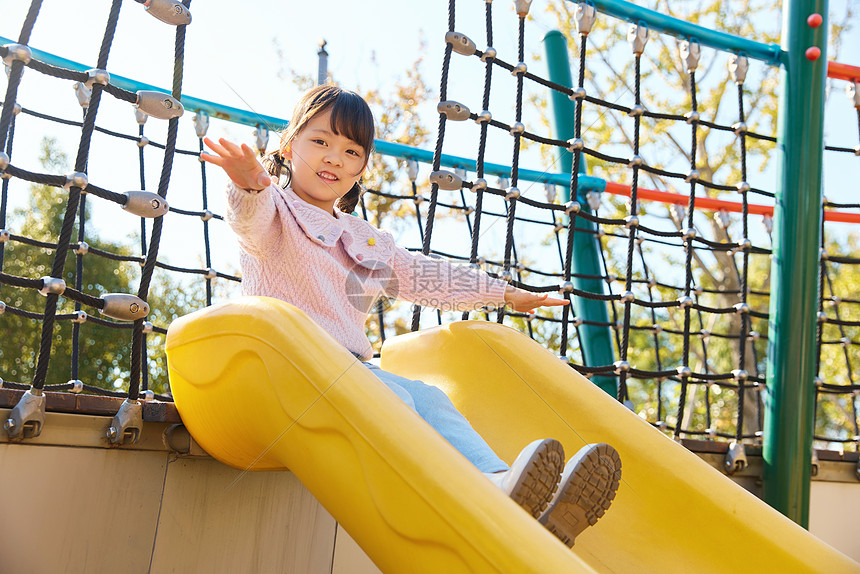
434	406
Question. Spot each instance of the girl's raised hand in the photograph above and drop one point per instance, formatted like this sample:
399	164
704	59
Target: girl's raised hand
525	301
239	162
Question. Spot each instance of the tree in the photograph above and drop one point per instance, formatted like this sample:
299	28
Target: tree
104	358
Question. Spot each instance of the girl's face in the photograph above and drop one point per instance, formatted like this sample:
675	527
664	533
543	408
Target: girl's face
324	165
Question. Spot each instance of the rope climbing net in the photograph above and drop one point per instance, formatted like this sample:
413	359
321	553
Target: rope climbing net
684	350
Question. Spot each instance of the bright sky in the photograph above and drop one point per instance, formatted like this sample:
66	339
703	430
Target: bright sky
231	57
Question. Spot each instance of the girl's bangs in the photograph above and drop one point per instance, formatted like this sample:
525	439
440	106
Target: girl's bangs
351	117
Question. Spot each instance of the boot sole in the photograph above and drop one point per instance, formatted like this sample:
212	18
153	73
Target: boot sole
588	487
537	484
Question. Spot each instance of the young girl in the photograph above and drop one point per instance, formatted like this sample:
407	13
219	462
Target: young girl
299	244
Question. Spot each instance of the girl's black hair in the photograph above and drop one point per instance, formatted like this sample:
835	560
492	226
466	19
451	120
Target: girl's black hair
350	117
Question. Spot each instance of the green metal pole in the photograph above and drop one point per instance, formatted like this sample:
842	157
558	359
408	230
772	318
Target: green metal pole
790	395
595	342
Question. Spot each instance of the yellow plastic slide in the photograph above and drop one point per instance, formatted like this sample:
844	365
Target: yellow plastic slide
262	387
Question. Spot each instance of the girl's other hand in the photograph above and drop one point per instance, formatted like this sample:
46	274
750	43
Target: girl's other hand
525	301
239	162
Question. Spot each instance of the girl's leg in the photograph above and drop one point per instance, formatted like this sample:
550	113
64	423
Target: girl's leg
434	406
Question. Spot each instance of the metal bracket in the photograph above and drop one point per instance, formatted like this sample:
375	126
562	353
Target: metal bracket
691	50
736	458
454	111
446	180
261	135
169	11
124	307
738	66
461	43
637	36
584	15
27	417
145	204
159	105
127	423
201	123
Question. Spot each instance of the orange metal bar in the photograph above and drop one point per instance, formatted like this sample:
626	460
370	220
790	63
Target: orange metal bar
843	71
711	204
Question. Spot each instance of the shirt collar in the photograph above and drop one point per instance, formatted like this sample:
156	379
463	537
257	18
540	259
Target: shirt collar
319	226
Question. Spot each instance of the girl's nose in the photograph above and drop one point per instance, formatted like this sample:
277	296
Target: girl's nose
333	159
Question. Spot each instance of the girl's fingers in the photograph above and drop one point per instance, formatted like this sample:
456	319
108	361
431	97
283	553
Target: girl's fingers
213	159
232	148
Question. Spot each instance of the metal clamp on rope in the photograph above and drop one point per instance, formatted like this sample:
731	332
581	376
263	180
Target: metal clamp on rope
736	458
52	285
690	52
584	15
159	105
145	204
637	36
446	180
127	423
97	76
83	93
76	179
169	11
4	160
201	123
412	169
461	43
852	90
454	111
522	7
124	307
17	52
27	417
261	138
738	66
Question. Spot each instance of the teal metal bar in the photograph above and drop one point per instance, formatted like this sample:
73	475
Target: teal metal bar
771	54
250	118
595	342
789	398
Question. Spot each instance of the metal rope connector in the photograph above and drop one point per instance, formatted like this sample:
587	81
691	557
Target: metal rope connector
637	36
201	123
454	111
124	307
52	286
736	458
17	52
27	417
159	104
127	423
97	76
145	204
479	184
690	50
446	180
738	66
4	160
168	11
76	179
522	7
852	90
83	93
461	43
261	138
412	169
584	15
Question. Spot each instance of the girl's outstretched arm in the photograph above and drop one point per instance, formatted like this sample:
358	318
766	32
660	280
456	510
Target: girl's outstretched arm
239	162
524	301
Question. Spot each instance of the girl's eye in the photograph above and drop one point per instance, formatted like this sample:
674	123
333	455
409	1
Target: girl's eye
353	152
318	141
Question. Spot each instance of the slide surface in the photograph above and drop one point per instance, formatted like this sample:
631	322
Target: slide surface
262	387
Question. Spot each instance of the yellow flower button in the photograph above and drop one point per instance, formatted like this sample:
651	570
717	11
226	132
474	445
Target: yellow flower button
371	241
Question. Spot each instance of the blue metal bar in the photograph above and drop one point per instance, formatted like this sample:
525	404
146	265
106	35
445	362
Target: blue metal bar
230	114
770	54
